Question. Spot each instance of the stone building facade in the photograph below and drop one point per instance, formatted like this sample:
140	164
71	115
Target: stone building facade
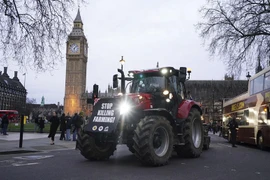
211	94
12	92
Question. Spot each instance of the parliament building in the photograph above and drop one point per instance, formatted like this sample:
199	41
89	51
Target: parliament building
12	92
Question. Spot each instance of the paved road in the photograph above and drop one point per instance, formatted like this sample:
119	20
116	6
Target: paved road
220	162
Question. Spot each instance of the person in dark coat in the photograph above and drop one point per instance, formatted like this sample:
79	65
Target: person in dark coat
233	125
68	127
62	126
76	122
5	123
41	124
54	126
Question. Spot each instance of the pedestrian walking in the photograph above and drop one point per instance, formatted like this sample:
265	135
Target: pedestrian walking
5	123
220	131
41	124
233	126
63	126
54	120
36	124
76	122
68	127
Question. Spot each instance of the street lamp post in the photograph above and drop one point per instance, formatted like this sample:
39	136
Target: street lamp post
122	61
248	75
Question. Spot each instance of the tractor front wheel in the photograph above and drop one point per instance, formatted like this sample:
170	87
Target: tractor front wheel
153	140
92	149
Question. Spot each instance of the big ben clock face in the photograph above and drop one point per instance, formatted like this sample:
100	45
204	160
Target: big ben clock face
74	48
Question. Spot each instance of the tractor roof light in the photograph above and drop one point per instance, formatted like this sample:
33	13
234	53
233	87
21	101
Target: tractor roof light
188	71
131	74
166	92
164	71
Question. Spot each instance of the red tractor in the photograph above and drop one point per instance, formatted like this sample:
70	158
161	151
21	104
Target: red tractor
154	119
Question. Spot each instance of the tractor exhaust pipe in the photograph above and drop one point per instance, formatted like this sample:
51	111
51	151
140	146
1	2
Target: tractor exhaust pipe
123	89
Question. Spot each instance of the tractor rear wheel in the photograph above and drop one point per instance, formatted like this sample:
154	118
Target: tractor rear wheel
153	140
92	149
193	136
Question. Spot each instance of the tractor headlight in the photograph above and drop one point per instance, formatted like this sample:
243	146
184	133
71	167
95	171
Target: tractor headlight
125	108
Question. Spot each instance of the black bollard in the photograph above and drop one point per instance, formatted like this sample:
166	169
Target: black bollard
21	131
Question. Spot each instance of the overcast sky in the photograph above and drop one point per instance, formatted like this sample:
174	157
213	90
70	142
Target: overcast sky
144	32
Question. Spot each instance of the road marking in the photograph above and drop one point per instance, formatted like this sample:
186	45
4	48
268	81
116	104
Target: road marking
36	157
7	161
27	164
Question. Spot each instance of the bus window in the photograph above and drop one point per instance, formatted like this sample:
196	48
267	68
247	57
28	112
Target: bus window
258	84
246	113
267	81
251	89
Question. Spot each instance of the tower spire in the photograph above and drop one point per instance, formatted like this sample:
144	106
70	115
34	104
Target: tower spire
78	18
77	25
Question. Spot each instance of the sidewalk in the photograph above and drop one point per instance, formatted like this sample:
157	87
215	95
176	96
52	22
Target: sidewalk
31	142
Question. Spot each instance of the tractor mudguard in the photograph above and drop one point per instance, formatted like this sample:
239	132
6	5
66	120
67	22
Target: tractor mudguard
185	106
105	116
160	112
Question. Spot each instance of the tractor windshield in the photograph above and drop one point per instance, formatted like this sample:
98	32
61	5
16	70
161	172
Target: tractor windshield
148	84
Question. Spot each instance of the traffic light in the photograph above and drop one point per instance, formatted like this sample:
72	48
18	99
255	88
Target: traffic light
115	81
95	91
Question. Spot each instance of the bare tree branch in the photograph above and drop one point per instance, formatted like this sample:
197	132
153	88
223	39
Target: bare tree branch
33	31
237	31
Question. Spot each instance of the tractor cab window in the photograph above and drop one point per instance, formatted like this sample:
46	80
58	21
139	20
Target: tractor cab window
176	87
172	83
148	84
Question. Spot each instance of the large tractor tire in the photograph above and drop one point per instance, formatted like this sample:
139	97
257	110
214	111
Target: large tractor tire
92	149
130	143
153	140
193	136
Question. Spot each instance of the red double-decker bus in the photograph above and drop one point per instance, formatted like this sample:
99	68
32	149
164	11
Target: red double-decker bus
13	115
252	110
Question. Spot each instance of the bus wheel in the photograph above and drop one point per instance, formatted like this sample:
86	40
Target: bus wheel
260	142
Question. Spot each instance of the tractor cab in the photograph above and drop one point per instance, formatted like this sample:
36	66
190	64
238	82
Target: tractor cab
164	85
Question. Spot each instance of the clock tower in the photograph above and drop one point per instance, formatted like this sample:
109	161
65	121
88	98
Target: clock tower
76	55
